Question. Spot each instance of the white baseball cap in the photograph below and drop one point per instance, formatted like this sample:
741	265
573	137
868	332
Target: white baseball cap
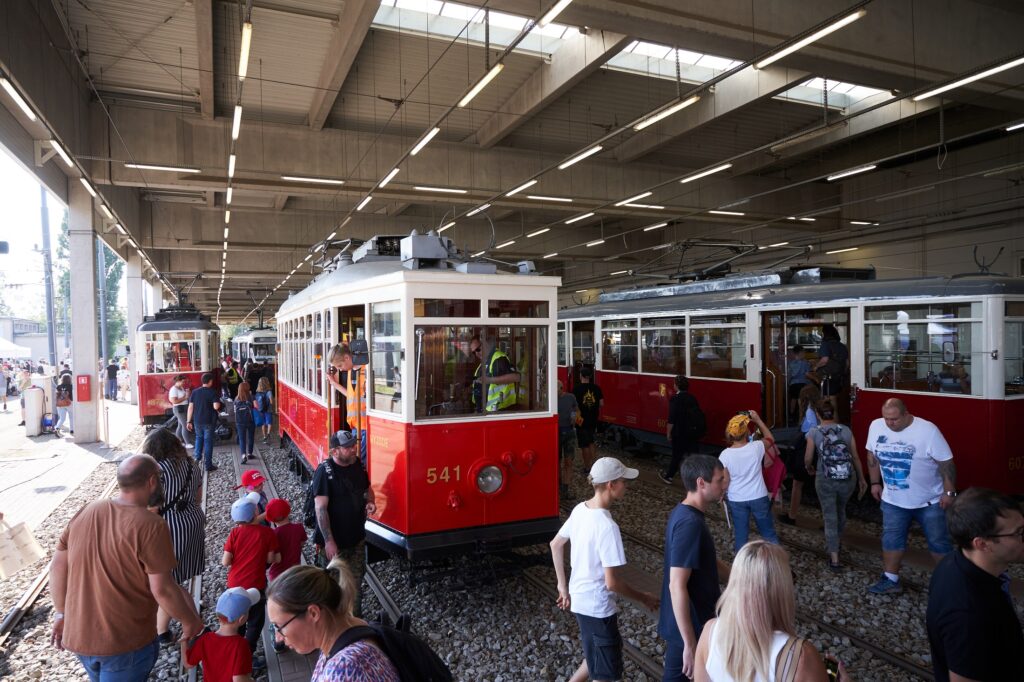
610	469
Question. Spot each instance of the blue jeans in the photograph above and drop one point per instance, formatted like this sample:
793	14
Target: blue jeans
111	389
204	443
133	666
246	433
362	445
761	510
896	525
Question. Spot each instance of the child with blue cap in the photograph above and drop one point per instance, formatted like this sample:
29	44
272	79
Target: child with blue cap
249	548
224	653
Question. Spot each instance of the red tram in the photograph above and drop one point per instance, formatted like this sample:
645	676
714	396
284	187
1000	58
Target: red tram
177	340
950	347
448	476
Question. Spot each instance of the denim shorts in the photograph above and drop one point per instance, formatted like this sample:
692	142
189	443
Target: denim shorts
602	646
896	525
567	444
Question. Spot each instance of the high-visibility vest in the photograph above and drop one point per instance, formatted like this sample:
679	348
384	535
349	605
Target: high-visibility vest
233	377
499	396
355	401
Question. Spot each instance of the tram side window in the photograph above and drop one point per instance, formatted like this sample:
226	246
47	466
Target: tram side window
718	347
1013	348
443	381
663	345
927	348
386	356
563	357
619	345
319	350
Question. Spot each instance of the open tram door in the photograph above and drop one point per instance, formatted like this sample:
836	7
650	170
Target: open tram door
583	348
781	332
351	325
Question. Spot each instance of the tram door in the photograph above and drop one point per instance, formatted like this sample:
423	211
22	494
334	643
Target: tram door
351	322
782	331
582	350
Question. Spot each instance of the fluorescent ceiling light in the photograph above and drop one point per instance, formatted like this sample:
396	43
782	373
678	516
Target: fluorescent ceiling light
227	196
539	232
727	212
550	15
900	195
630	200
520	188
332	235
660	247
478	254
424	141
655	226
308	256
236	125
1015	126
704	174
804	42
481	84
478	209
61	153
578	218
231	166
363	203
852	171
227	230
313	181
227	217
243	55
345	222
445	227
777	244
665	113
447	190
88	187
510	242
550	255
581	291
852	248
16	96
158	167
619	272
1003	169
579	157
862	222
541	197
970	79
389	177
806	220
106	211
650	206
596	242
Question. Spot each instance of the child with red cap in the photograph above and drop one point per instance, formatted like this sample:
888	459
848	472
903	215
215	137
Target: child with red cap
252	481
290	539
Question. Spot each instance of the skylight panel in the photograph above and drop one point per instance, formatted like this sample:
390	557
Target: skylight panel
842	88
550	31
463	12
859	92
712	62
502	20
651	50
425	6
686	57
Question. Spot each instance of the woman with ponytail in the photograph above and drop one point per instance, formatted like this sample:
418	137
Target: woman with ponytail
311	608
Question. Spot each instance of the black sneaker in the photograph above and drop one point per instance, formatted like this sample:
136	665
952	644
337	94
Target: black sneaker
21	423
787	519
212	467
166	638
665	479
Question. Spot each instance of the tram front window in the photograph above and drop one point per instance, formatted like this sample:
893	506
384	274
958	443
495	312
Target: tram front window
450	361
167	352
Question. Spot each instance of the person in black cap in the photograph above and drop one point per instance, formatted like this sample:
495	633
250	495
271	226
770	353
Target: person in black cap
343	499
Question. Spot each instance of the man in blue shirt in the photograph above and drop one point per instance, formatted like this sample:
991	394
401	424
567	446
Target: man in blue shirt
689	588
203	410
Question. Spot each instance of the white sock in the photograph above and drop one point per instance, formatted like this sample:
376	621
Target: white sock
892	576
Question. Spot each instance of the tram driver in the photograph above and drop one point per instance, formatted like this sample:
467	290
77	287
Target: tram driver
495	376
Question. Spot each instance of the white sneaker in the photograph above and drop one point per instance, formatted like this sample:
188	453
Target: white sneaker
189	446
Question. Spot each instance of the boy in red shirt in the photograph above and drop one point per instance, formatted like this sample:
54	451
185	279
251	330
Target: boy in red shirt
225	654
290	538
250	547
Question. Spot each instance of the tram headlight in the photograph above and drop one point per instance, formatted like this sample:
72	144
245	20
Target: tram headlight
489	479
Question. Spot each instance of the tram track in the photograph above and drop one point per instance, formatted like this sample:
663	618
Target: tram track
195	589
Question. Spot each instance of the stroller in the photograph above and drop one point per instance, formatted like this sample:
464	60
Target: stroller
48	425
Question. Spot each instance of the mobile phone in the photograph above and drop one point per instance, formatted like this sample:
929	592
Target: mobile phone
832	668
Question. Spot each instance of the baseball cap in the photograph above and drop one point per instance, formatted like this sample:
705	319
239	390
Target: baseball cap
278	509
738	426
236	602
343	439
610	469
250	479
243	510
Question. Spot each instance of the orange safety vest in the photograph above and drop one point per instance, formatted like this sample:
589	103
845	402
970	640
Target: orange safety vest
355	401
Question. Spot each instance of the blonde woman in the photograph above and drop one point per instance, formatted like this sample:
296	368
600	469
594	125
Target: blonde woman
754	637
263	402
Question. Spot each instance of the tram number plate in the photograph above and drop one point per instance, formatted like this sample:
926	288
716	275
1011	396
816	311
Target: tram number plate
443	474
1016	463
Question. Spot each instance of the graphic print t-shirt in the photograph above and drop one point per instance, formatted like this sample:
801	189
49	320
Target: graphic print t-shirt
588	397
909	461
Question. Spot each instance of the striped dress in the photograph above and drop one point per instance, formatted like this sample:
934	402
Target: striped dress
188	526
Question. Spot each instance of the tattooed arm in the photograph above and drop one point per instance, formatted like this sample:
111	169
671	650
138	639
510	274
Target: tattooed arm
323	522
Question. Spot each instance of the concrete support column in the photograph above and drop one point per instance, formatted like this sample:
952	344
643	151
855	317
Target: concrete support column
156	297
136	296
84	341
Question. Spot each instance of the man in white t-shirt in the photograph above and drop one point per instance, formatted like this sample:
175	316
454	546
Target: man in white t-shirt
597	556
913	476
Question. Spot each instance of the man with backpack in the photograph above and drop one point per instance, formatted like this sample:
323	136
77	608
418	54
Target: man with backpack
685	426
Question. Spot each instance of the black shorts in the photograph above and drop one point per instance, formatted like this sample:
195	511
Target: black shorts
602	646
794	391
585	436
831	384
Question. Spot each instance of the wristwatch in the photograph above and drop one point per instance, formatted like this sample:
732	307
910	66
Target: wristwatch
950	493
57	615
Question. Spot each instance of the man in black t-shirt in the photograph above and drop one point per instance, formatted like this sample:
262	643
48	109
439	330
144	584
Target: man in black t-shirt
203	412
343	499
590	400
973	629
111	383
680	428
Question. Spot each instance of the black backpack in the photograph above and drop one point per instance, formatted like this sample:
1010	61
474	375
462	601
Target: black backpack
411	656
696	423
309	509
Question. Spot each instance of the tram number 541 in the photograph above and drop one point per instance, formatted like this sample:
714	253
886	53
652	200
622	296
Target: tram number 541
443	474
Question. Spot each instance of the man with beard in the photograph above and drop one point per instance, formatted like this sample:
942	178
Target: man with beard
111	569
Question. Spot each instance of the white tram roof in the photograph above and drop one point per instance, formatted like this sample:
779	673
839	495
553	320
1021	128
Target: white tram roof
366	276
176	318
765	290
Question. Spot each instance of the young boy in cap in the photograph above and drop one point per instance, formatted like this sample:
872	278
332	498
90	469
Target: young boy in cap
248	550
290	538
224	653
253	480
597	556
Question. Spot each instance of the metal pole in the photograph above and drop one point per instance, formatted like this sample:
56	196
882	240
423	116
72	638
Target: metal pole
51	332
101	267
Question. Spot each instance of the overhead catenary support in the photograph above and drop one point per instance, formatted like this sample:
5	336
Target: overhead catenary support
353	25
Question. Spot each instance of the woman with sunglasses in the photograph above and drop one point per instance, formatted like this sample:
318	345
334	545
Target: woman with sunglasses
310	608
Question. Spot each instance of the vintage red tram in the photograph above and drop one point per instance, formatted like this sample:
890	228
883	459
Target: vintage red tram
176	340
950	347
449	475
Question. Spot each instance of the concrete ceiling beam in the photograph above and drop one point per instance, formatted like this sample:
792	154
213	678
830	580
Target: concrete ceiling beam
349	34
204	47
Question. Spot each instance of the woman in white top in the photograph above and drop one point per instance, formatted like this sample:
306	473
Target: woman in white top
178	398
754	637
748	494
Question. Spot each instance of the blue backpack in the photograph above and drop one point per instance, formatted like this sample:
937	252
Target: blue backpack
261	401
